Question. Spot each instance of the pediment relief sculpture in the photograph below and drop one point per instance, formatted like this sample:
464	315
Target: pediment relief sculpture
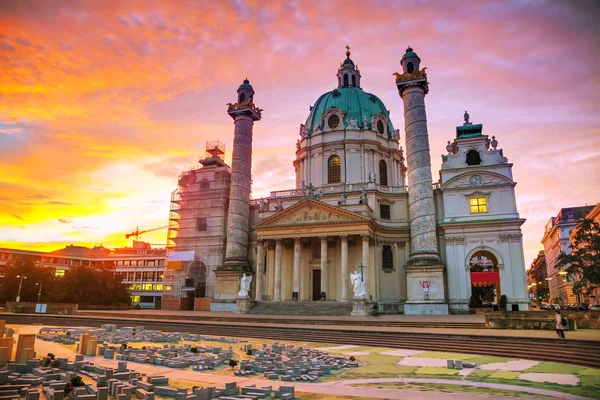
466	181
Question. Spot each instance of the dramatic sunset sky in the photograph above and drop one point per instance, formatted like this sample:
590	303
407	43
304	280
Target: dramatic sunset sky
104	103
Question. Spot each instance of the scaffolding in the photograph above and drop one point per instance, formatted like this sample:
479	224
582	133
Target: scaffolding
197	219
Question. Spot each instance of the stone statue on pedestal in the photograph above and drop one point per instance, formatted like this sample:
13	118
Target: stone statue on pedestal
244	285
358	284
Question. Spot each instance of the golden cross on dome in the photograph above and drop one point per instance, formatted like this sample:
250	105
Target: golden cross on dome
347	51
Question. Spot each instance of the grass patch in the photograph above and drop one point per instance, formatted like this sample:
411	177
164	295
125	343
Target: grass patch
436	371
579	390
446	356
587	380
590	372
379	359
490	359
447	388
555	368
378	371
366	349
321	396
505	375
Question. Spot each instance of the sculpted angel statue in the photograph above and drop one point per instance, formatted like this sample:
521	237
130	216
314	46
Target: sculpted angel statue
358	284
244	285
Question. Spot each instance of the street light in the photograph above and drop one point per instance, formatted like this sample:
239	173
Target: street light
40	292
20	284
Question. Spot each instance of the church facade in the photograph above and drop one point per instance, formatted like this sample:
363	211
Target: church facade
363	205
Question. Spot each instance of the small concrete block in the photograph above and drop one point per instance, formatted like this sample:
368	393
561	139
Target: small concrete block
450	364
458	364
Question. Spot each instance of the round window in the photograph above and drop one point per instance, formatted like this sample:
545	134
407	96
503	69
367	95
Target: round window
333	121
380	127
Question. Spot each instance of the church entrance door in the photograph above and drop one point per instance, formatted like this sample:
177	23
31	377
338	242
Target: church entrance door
316	284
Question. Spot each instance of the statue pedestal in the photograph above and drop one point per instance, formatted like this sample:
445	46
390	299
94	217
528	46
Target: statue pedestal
422	300
243	303
360	308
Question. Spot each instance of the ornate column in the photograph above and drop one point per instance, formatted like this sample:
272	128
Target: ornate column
244	113
277	294
424	266
344	278
260	266
297	249
365	263
324	272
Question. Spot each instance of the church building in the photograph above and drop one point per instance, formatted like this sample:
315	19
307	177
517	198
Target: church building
363	205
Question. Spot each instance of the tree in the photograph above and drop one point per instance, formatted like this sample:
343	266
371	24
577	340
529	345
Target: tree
26	266
584	261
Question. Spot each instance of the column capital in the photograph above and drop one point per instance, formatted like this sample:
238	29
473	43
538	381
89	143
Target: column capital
365	236
344	237
278	241
260	242
297	240
323	237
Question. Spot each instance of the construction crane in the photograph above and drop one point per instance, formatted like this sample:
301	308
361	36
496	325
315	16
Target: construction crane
137	232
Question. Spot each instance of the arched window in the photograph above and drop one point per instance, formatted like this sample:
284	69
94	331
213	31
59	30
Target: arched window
345	80
473	158
242	97
383	180
334	170
354	80
410	68
387	258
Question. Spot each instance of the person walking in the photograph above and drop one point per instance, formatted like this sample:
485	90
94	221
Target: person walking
561	324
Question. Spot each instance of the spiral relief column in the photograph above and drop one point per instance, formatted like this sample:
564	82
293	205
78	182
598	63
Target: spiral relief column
244	113
424	264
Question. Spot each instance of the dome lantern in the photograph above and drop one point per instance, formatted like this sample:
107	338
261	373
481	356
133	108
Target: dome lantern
410	61
348	74
245	91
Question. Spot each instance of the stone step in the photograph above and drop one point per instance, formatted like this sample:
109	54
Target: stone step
301	308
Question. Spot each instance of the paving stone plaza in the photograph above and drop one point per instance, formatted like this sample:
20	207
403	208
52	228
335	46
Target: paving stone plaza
138	363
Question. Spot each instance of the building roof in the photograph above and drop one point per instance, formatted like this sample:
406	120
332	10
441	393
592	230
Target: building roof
354	102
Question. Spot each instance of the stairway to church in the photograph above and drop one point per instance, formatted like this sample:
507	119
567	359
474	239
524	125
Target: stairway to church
302	308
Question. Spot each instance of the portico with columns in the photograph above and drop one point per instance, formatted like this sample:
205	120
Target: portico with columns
307	252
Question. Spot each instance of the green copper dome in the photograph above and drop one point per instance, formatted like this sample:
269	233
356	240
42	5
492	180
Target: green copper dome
246	85
354	102
410	53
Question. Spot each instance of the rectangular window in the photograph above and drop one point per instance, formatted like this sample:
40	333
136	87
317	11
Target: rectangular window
160	277
158	286
201	224
146	286
478	205
387	257
59	273
384	211
130	276
135	299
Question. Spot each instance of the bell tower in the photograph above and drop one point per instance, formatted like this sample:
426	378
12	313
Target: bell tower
424	270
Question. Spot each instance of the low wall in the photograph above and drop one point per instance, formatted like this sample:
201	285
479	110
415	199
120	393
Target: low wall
51	308
108	307
541	320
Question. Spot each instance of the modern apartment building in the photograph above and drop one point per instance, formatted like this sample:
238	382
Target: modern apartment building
141	266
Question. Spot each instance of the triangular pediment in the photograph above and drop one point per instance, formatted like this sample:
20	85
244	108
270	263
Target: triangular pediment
311	212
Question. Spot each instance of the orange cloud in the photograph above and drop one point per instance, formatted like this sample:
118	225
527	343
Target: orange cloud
103	103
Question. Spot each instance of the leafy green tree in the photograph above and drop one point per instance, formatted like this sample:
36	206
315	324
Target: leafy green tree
584	261
26	266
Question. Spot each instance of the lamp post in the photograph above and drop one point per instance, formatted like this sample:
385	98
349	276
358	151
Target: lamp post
20	284
40	291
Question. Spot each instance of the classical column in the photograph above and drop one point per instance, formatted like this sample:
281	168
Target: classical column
324	277
244	114
277	295
412	87
296	290
365	263
260	266
344	278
